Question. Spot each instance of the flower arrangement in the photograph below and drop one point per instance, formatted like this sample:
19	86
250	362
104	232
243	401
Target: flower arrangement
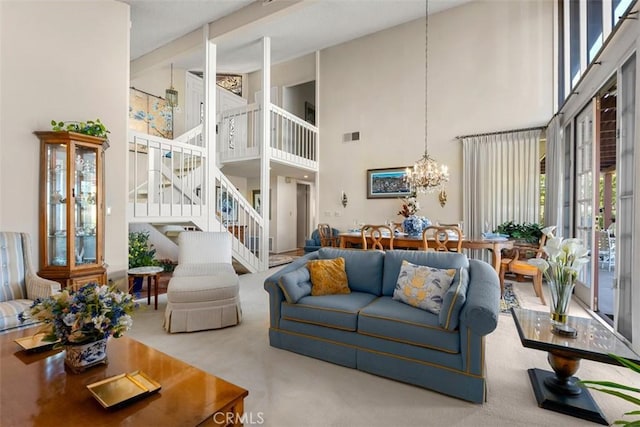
410	206
565	258
91	313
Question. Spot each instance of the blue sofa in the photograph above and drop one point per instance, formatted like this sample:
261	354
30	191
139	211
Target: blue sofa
313	244
368	330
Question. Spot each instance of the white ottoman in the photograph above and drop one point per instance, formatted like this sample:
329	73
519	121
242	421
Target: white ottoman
196	303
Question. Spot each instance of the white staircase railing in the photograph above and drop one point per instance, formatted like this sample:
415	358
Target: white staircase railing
168	185
167	177
293	141
235	213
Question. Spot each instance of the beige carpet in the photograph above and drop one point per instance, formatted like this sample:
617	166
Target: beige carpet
287	389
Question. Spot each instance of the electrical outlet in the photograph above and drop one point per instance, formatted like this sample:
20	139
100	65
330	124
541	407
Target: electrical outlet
327	213
337	213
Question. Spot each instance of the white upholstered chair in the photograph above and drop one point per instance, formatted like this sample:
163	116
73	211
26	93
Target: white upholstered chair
19	284
203	291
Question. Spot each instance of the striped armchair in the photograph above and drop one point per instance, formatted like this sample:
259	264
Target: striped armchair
19	284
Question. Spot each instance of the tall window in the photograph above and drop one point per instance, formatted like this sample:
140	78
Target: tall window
619	7
594	28
574	41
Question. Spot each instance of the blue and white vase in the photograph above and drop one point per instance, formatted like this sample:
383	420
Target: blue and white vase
82	356
414	225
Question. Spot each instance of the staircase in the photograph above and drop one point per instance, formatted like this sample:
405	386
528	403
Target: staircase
171	180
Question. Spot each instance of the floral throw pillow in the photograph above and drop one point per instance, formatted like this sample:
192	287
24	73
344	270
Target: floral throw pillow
422	286
328	276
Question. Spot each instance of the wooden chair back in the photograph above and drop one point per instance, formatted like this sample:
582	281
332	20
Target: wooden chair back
325	232
376	233
442	238
523	268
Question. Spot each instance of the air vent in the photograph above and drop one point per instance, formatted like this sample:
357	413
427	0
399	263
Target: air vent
351	137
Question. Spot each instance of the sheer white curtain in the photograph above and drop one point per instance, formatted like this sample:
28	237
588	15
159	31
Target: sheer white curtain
501	179
554	181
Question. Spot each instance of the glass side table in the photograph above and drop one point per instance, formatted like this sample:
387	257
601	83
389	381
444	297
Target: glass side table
557	390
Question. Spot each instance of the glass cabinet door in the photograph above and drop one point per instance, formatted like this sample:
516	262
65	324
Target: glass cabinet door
56	203
85	187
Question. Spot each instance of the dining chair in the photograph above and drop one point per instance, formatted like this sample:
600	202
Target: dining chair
327	237
442	238
376	233
524	268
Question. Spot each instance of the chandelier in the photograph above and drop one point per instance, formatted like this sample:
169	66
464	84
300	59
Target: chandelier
427	175
171	94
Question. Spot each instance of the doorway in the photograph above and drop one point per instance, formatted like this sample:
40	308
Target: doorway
606	151
303	207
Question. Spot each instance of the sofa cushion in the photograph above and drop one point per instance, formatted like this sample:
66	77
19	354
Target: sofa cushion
393	320
454	299
422	286
295	284
328	277
334	311
364	268
393	261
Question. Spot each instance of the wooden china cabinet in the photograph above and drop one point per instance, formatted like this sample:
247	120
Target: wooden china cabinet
71	208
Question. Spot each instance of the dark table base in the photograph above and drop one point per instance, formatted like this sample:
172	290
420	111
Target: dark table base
580	406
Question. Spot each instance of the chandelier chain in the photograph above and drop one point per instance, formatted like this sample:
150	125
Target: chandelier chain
427	175
426	77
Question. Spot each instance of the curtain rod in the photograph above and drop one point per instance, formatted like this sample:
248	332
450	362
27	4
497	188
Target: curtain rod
501	132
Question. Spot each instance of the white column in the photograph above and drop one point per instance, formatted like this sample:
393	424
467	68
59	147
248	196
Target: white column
209	127
265	177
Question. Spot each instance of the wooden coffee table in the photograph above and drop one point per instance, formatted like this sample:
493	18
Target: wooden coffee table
36	390
558	391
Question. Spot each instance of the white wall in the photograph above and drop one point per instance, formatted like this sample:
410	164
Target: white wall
62	60
296	71
490	69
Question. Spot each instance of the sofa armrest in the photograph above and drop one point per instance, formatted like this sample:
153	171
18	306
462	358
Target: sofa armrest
480	312
276	296
37	287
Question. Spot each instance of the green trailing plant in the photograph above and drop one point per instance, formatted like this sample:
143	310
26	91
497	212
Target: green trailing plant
527	232
613	388
90	127
168	265
141	252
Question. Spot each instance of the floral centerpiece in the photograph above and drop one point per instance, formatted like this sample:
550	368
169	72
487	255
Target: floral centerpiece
412	224
565	258
84	318
410	206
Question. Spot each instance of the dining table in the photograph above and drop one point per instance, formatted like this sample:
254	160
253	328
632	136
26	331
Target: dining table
352	239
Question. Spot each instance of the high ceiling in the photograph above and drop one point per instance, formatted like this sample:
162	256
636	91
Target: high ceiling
309	26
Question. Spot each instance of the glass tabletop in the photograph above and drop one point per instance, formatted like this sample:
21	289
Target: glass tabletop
594	340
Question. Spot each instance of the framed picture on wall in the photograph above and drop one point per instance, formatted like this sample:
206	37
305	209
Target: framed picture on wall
256	201
387	183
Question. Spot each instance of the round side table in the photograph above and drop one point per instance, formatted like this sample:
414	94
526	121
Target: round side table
149	272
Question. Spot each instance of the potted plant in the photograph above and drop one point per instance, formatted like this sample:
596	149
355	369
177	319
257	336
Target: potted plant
90	127
525	232
613	388
141	254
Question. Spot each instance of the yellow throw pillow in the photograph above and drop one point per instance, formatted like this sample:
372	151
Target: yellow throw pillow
422	286
328	277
